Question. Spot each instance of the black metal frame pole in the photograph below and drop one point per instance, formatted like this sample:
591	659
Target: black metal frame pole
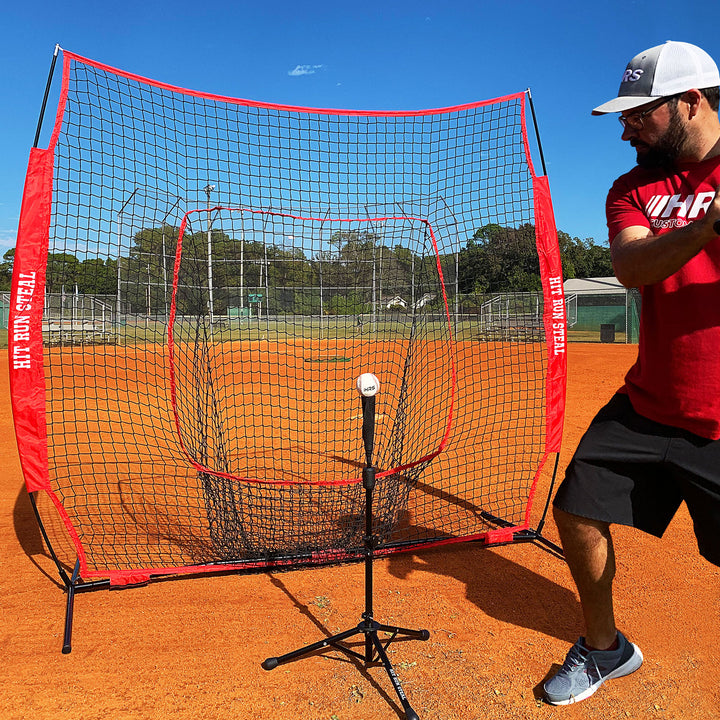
61	570
541	524
45	97
537	131
73	584
539	536
70	609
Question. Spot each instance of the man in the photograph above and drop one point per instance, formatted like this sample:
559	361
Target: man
657	442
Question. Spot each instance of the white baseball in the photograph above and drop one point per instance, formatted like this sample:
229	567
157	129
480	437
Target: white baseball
367	385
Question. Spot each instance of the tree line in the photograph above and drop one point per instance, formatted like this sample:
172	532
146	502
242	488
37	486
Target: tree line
495	259
502	259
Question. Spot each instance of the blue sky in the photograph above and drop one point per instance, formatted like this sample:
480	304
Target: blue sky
375	55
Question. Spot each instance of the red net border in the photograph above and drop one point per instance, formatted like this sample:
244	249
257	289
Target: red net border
25	342
270	213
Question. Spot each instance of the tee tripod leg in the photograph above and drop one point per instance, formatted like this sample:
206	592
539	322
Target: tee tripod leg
375	650
370	629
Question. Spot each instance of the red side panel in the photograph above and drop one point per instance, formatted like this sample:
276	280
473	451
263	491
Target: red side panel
555	321
27	382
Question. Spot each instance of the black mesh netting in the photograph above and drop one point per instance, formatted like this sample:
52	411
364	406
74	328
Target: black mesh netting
220	272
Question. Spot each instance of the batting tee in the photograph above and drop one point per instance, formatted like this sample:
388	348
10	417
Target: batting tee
199	279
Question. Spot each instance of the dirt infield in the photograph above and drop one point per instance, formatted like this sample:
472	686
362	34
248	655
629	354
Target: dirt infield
499	619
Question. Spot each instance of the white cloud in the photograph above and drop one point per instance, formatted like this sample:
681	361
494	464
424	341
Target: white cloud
7	239
305	70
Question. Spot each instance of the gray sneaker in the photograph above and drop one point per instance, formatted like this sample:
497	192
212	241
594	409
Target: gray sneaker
584	671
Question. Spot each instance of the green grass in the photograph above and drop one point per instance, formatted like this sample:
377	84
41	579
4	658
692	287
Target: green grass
155	334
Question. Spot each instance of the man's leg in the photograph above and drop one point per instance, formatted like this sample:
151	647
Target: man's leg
604	653
590	555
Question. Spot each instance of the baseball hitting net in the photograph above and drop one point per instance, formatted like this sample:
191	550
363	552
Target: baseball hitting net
198	281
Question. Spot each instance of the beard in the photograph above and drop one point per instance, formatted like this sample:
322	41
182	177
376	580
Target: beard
664	153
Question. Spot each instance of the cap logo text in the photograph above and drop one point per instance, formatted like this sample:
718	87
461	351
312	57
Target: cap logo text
632	75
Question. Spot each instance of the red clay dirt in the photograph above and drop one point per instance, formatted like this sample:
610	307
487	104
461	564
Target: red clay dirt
500	620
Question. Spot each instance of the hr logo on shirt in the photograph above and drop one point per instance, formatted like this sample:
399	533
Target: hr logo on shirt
667	211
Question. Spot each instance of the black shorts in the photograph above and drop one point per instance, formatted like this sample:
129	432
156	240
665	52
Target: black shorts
633	471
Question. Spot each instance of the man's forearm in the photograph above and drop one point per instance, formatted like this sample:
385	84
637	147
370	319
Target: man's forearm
640	258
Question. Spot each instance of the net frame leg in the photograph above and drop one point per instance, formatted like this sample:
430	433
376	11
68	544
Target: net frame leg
535	535
72	583
70	609
554	547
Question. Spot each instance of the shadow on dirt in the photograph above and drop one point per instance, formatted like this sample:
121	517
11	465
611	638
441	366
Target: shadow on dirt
30	538
502	588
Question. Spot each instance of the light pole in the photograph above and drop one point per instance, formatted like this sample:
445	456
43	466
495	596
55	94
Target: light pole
242	273
119	251
208	189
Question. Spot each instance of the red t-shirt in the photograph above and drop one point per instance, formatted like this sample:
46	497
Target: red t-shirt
676	377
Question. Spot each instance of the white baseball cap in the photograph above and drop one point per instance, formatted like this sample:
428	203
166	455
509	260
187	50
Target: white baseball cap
662	71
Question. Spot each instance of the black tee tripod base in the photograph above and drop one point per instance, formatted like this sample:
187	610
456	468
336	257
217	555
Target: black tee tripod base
375	648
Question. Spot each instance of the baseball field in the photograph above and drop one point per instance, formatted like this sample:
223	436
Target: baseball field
500	621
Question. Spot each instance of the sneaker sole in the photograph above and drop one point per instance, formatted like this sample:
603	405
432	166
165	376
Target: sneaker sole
628	667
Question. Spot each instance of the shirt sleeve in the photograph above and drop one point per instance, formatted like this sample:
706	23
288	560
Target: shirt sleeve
623	207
